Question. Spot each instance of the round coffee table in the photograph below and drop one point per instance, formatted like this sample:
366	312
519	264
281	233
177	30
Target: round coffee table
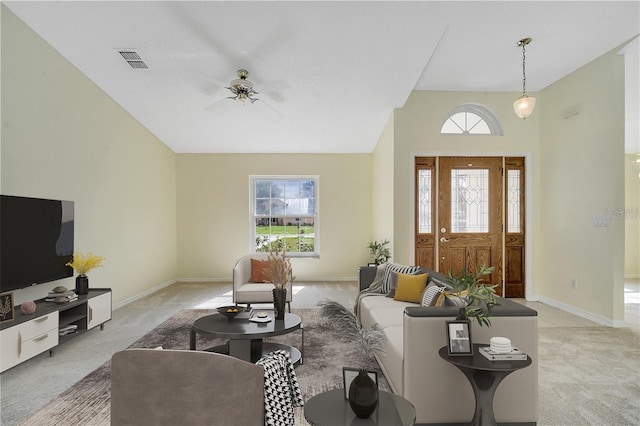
332	409
245	336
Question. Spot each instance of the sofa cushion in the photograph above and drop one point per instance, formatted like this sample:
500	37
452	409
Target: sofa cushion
430	294
393	267
258	270
392	359
410	287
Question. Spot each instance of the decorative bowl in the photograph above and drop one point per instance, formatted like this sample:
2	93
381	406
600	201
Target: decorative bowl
230	311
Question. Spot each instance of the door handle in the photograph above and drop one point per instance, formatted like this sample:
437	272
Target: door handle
444	240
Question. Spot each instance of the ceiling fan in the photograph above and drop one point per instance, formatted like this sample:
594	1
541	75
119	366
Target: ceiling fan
242	89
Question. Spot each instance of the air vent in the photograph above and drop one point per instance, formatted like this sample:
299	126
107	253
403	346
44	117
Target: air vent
133	59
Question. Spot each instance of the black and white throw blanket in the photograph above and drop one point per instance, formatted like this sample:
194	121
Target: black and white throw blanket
281	390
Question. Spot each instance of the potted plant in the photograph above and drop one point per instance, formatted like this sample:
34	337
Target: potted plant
380	251
479	298
278	271
82	264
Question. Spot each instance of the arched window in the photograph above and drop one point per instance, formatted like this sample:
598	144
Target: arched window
471	119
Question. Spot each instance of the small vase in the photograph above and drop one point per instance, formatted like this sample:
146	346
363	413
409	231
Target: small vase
279	302
462	314
82	284
363	395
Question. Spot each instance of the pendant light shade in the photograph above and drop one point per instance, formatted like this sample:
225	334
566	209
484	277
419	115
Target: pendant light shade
524	105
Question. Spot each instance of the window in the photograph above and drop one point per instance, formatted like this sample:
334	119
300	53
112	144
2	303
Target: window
285	214
471	119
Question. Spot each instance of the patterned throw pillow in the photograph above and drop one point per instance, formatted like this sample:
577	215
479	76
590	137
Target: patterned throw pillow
430	293
447	298
400	269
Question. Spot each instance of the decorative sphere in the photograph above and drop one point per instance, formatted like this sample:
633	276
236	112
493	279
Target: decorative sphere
28	307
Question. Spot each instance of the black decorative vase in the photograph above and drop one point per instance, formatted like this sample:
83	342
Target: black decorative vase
82	284
363	395
279	301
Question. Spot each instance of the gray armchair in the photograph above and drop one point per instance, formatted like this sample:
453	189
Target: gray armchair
245	292
179	387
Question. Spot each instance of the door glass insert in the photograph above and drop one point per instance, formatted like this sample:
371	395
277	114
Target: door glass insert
424	201
513	201
469	200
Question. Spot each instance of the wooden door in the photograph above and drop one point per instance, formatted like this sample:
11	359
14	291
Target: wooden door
469	224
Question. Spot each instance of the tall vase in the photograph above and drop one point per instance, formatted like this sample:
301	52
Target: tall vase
279	302
363	395
82	284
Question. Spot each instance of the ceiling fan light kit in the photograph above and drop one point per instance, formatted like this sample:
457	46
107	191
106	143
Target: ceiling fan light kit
524	105
242	88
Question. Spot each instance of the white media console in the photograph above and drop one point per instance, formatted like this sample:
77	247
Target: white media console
29	335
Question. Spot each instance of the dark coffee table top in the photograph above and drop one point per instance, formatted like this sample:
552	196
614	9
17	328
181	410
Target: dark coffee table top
217	325
332	409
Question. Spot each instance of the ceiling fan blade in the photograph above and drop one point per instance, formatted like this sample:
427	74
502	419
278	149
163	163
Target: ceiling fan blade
274	86
218	105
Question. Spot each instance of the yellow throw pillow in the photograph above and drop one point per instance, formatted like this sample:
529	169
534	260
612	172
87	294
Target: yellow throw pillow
410	287
449	298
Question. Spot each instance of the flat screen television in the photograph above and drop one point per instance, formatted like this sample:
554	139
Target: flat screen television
36	241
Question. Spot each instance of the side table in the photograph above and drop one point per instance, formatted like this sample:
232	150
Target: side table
484	377
332	409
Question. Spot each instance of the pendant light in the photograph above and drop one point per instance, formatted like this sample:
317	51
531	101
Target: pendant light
523	106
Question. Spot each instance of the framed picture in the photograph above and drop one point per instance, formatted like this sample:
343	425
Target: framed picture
7	311
459	337
348	374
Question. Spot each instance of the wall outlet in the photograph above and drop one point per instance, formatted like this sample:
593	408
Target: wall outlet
574	283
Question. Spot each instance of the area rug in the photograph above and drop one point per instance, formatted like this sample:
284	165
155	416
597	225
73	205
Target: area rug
325	353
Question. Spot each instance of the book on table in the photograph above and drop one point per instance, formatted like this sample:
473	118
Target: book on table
514	355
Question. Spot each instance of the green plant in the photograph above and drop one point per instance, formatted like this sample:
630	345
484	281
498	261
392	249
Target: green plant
479	298
380	251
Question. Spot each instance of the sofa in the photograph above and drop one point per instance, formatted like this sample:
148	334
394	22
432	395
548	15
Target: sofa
440	392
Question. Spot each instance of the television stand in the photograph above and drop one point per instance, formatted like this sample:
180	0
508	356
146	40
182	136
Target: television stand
30	335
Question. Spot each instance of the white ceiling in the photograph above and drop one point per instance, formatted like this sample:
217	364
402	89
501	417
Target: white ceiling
347	64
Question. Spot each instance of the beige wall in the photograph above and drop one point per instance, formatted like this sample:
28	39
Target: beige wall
632	217
582	177
214	223
63	138
382	186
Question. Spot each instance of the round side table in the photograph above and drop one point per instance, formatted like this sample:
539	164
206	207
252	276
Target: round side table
484	377
332	409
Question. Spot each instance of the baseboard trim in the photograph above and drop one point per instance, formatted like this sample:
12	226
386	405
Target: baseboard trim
580	312
298	279
143	294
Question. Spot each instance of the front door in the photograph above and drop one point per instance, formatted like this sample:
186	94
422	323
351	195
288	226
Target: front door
470	215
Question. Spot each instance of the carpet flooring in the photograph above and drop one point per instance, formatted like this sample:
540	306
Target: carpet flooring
325	353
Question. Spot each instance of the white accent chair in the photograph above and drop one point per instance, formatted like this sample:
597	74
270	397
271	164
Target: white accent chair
245	292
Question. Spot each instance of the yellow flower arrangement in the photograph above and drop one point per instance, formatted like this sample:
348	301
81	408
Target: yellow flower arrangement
83	263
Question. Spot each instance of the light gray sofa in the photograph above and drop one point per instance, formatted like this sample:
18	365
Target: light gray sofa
440	393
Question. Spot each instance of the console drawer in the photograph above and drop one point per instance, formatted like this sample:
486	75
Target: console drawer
32	347
39	326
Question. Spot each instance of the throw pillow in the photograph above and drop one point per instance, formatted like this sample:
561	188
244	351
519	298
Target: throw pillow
448	298
410	287
258	269
400	269
430	292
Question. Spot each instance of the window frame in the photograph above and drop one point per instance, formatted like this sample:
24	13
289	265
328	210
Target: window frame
485	114
316	216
